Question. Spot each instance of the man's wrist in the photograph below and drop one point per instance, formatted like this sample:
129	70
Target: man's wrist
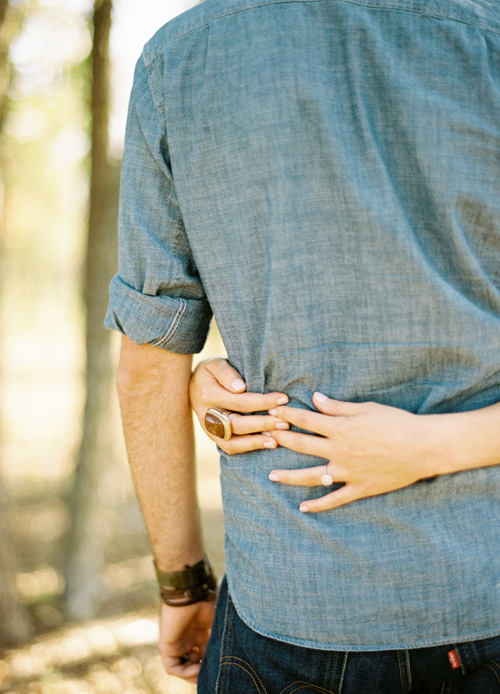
191	584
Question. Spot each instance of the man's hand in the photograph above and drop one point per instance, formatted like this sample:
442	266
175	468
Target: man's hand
371	448
184	633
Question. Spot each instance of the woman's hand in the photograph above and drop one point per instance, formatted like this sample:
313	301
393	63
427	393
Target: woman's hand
371	448
214	383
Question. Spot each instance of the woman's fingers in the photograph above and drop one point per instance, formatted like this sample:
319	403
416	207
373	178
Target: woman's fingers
255	424
304	419
342	496
311	477
303	443
338	408
305	477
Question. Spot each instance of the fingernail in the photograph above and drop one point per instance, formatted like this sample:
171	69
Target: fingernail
303	509
238	384
320	397
282	401
281	425
273	412
266	433
274	477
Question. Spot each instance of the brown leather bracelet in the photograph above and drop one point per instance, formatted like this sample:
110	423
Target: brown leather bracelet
192	584
205	592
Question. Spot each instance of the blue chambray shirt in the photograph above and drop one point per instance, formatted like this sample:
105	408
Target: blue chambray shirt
324	177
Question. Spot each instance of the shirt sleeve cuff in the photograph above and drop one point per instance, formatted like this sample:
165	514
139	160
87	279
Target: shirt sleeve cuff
175	324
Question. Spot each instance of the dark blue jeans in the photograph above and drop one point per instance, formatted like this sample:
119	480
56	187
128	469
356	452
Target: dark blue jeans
240	661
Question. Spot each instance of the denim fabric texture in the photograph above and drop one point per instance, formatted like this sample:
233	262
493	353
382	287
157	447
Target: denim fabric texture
323	176
239	660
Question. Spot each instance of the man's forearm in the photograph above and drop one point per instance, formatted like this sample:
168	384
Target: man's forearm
153	391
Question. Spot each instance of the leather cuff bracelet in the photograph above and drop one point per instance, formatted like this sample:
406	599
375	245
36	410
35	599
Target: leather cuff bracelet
192	584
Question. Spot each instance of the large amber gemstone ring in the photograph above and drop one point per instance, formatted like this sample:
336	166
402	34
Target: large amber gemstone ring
217	422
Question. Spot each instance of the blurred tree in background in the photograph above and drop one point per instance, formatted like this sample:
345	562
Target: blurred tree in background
84	560
14	622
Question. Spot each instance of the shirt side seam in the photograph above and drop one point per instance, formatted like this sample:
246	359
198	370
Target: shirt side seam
384	8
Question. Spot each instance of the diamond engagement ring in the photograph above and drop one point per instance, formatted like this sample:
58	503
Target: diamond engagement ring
326	479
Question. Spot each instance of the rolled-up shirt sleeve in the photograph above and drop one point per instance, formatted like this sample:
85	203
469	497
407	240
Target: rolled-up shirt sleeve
157	297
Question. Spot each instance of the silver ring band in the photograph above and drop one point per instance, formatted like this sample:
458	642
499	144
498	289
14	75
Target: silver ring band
326	478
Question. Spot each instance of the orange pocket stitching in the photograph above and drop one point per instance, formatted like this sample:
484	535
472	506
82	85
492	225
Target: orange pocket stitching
300	684
493	670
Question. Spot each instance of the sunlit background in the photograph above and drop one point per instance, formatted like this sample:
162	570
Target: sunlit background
107	644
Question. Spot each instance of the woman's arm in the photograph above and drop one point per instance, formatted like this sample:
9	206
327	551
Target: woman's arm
374	449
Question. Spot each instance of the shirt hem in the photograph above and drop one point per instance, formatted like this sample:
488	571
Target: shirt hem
358	648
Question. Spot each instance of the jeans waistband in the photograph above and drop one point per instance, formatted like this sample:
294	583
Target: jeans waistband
473	653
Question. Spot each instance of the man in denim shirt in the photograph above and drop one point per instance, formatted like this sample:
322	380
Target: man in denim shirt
323	176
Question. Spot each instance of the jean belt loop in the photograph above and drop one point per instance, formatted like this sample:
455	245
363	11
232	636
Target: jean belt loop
467	655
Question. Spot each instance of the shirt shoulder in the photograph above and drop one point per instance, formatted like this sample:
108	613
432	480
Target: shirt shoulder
200	16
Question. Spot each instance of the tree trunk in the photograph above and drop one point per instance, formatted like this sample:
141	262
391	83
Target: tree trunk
14	623
85	552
